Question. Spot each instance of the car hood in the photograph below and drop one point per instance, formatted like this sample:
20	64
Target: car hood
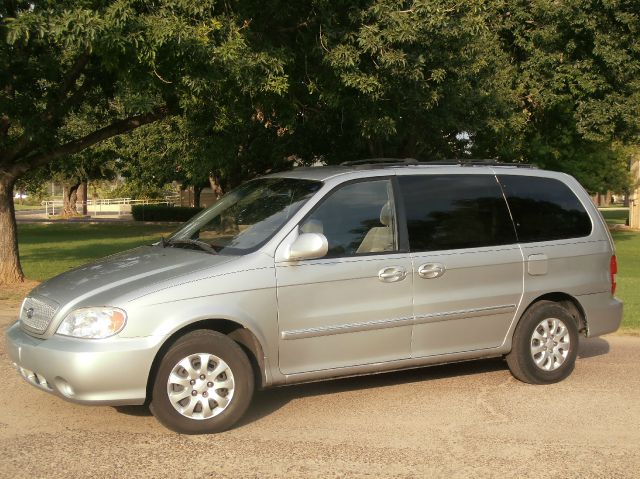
123	274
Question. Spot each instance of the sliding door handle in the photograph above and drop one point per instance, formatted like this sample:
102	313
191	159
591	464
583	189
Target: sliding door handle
431	270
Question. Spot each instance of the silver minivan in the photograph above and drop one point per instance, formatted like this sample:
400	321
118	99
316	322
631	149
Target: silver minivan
326	272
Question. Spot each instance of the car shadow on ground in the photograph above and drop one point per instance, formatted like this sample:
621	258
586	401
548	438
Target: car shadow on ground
592	347
139	411
269	401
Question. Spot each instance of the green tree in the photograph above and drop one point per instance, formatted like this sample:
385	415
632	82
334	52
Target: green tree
543	82
251	86
576	78
384	77
122	64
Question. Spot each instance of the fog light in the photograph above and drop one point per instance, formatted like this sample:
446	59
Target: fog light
64	387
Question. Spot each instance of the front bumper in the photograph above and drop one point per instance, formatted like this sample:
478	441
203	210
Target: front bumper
112	372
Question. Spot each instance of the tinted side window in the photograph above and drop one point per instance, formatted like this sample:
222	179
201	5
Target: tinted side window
358	218
544	209
455	211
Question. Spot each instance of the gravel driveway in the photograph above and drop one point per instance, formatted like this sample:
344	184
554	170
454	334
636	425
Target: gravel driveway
461	420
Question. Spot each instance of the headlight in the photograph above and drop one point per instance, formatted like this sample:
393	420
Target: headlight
93	323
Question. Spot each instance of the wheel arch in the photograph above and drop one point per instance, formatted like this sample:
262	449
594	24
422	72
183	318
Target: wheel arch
570	303
236	331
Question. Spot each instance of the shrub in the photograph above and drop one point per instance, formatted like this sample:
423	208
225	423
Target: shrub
163	212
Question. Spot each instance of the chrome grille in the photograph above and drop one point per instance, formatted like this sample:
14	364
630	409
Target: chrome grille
36	314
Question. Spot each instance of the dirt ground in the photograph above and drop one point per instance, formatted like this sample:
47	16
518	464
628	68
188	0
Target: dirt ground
462	420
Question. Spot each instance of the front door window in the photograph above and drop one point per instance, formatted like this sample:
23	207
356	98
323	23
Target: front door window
357	219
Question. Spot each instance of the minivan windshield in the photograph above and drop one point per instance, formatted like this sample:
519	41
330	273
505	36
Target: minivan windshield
244	219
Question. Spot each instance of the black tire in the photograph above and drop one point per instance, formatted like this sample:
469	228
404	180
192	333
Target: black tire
521	361
211	342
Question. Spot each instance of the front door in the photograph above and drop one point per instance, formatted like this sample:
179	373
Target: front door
354	305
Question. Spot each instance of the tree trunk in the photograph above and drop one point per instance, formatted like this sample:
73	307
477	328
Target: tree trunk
24	156
196	196
596	198
70	198
10	269
82	197
214	182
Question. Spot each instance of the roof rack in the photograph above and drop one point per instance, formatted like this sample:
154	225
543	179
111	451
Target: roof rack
463	162
381	162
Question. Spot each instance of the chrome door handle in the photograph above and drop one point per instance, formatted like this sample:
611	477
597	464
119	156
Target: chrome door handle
392	274
431	270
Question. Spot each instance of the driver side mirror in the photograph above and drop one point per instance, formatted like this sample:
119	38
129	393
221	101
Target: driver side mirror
308	246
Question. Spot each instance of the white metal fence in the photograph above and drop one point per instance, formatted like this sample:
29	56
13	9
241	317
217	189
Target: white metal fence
108	206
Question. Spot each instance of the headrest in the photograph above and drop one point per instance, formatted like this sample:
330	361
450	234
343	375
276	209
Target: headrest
386	214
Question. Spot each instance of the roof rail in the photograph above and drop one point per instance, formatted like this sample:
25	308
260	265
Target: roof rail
463	162
381	162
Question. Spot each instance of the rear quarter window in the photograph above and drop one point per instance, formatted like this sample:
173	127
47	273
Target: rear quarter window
544	209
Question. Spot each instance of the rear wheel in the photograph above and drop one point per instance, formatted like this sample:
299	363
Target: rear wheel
545	344
204	384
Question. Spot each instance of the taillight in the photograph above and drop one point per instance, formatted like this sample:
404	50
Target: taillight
613	270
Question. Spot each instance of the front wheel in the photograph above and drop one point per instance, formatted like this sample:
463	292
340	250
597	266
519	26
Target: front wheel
204	384
545	344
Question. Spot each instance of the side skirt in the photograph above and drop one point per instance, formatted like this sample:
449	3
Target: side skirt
389	366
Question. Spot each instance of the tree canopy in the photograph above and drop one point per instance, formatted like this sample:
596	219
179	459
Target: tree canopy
228	90
76	73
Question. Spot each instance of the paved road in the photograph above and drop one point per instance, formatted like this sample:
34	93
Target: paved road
463	420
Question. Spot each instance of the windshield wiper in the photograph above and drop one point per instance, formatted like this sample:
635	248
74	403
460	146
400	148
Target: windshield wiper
162	243
191	242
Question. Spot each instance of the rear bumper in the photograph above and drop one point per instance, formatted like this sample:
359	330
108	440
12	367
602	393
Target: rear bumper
112	372
603	312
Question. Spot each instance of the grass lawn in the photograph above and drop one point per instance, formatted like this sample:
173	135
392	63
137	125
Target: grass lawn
50	249
19	207
615	216
628	289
